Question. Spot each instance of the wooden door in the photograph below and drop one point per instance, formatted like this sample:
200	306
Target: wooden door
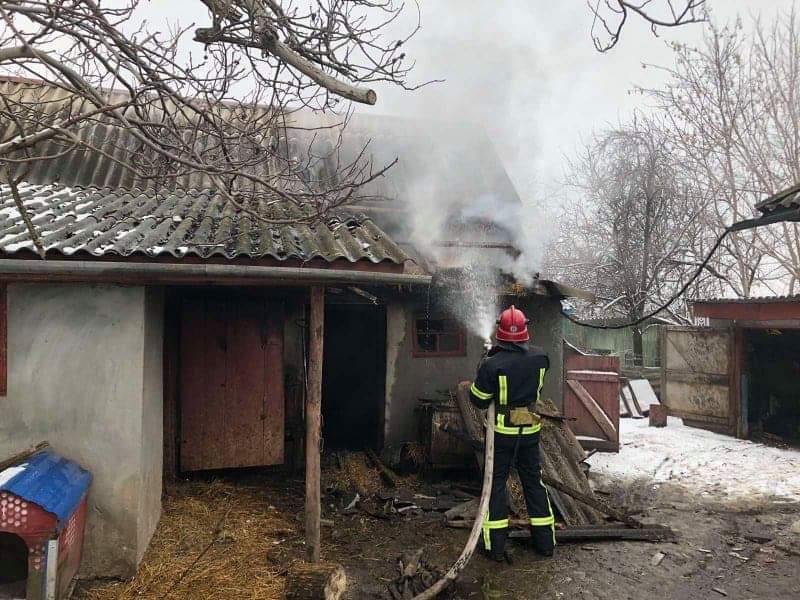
231	382
697	376
591	398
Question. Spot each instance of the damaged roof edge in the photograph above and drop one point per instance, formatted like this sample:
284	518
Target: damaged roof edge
213	274
564	290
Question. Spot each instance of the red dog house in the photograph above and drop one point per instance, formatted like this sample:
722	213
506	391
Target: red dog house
42	517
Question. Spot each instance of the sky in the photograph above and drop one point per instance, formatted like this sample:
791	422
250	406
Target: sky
529	74
525	71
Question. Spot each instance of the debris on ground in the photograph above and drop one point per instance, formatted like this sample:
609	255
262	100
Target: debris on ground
415	575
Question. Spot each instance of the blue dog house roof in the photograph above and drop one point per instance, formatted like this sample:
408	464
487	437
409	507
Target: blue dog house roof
49	480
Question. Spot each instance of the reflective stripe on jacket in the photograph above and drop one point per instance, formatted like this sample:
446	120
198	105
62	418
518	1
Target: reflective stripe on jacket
512	375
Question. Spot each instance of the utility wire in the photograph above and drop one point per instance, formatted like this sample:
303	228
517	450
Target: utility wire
751	224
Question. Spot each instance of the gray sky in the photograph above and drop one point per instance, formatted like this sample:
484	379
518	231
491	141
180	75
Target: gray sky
529	73
524	70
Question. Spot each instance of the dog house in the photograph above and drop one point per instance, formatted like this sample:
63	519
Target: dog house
42	517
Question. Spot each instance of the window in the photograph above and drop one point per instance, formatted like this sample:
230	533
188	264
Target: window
439	336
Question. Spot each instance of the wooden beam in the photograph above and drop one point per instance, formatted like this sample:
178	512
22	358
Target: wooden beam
3	340
753	311
24	455
313	421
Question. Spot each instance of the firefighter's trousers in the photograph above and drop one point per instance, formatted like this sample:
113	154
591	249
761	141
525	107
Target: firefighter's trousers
540	513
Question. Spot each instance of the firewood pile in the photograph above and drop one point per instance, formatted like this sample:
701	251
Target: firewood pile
415	575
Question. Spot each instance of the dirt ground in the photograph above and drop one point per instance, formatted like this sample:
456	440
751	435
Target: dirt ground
747	551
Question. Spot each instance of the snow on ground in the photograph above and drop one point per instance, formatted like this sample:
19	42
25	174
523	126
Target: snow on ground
715	466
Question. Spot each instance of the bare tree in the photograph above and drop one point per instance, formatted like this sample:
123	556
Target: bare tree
611	16
225	108
731	107
625	234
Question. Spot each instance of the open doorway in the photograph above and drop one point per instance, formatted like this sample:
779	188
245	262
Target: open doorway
13	566
773	407
354	376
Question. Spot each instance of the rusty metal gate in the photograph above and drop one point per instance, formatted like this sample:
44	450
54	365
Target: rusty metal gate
591	398
697	374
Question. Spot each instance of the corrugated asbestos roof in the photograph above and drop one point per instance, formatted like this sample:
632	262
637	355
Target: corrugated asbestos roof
754	300
102	222
56	484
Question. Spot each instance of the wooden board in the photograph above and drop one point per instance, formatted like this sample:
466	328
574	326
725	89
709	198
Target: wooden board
631	403
231	383
643	394
591	398
696	376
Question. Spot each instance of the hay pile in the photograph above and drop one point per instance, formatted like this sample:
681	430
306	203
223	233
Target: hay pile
214	540
354	472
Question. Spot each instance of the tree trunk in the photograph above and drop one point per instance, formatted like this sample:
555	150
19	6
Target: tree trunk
321	581
638	347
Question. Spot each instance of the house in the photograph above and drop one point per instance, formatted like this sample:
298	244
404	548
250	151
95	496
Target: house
168	331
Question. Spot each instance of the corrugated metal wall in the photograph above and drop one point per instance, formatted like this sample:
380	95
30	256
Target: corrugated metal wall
614	341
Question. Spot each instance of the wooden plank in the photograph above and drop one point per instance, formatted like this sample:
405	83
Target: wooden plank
171	362
629	401
595	411
193	384
313	422
643	394
274	398
624	411
587	375
680	376
3	340
245	391
15	459
592	501
648	533
213	339
698	351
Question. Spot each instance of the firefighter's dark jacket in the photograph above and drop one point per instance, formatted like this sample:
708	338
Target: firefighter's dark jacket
511	375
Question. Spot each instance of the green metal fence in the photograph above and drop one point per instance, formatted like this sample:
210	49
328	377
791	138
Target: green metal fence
615	341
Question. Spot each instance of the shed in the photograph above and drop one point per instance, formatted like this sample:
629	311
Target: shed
42	520
756	345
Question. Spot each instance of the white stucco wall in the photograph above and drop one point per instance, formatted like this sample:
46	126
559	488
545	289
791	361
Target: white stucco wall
84	373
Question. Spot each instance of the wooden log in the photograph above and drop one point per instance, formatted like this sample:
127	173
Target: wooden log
314	422
22	456
595	503
389	477
320	581
649	533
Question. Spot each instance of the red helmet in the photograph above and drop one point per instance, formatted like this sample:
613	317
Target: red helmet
512	326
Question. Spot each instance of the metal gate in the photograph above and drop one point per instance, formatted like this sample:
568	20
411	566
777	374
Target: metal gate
696	376
591	398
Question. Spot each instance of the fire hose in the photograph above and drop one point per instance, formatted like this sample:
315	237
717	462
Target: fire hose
483	506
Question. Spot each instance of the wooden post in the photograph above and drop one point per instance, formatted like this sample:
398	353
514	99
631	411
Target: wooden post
313	421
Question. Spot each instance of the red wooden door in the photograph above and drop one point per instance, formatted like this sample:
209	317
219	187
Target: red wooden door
231	383
591	398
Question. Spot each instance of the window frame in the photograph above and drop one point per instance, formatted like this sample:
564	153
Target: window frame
460	330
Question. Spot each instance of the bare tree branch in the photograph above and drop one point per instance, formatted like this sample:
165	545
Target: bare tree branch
611	16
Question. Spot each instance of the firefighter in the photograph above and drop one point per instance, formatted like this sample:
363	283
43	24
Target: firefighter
512	374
